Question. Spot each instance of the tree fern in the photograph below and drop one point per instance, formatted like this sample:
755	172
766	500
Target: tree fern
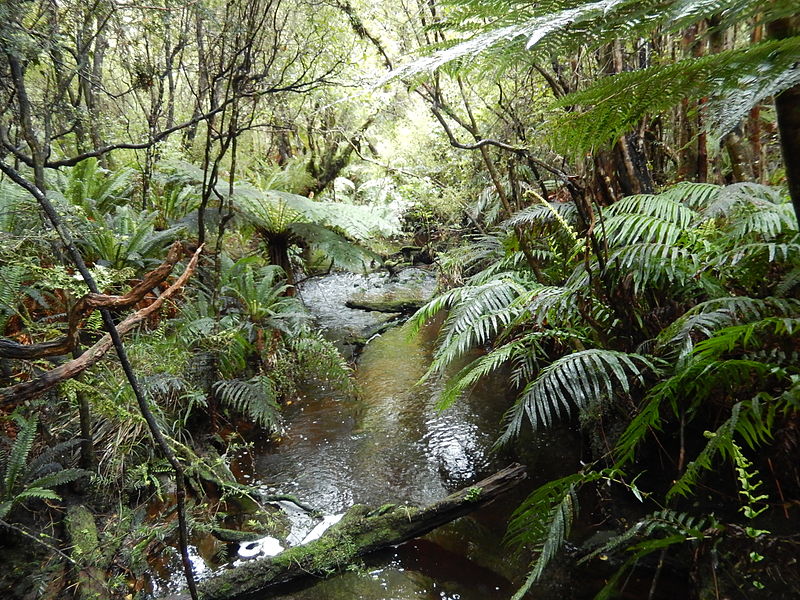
520	28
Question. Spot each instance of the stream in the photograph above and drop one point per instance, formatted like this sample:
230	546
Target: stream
391	444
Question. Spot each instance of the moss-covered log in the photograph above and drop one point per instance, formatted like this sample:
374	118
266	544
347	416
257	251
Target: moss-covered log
89	576
360	532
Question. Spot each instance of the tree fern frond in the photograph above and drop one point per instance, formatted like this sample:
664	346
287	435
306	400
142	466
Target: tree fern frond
431	309
620	101
551	304
544	519
476	302
345	254
741	336
766	222
540	216
554	26
577	380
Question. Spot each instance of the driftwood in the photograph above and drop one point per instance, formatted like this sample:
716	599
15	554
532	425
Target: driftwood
30	389
85	306
360	532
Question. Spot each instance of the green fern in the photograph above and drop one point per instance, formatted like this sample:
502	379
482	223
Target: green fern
619	102
544	519
23	480
255	398
576	380
528	346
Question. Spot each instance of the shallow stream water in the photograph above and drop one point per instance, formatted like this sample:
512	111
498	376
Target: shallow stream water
391	444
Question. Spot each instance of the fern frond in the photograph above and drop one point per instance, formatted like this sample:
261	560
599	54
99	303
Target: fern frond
561	519
18	457
712	315
254	398
771	251
545	518
664	207
527	347
479	313
46	459
578	380
320	359
58	478
655	264
647	420
693	195
626	229
345	254
619	102
719	442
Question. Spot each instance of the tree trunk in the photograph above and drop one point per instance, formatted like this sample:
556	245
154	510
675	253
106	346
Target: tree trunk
787	107
360	532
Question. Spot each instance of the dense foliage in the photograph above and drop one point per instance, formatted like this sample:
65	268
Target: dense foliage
603	185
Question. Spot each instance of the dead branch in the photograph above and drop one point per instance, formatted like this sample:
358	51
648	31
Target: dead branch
30	389
88	304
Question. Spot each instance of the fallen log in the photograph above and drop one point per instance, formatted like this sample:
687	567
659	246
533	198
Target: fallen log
360	532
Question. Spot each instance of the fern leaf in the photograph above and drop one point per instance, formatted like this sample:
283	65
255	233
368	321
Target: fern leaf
18	456
254	398
58	478
718	442
574	380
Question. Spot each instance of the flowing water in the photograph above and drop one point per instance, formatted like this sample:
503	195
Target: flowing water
391	444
